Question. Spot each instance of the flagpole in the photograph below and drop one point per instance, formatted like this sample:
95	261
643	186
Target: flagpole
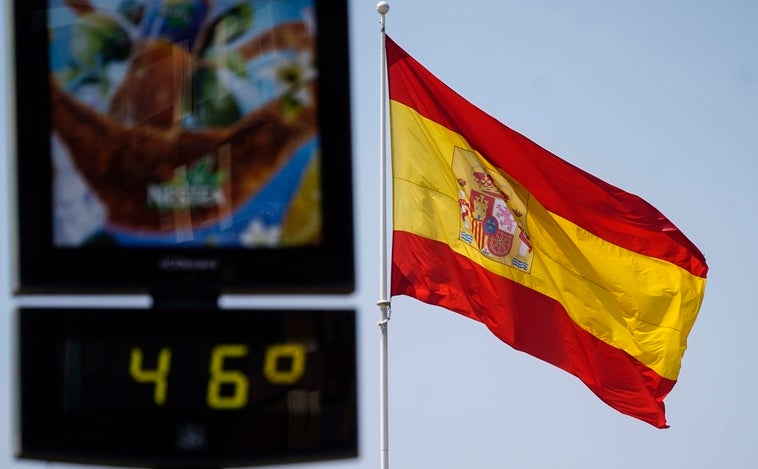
384	302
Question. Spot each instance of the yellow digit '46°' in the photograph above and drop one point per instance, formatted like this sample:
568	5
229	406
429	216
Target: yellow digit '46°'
156	376
295	353
235	380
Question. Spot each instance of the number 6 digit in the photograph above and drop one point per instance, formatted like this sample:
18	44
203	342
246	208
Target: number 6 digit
219	377
157	376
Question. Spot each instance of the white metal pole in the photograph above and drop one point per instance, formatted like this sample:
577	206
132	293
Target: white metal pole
384	302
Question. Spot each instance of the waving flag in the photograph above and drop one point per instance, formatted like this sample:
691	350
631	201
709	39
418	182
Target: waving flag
554	261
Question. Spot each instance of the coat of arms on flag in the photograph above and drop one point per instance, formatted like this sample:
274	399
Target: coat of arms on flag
493	214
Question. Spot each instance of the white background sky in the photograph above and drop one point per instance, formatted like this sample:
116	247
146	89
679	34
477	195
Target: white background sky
657	97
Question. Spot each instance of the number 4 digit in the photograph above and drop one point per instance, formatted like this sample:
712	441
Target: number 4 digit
157	376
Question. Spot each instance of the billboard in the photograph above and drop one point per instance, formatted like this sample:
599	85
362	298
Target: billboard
166	143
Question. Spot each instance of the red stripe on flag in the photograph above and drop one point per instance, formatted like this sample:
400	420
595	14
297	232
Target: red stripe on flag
527	321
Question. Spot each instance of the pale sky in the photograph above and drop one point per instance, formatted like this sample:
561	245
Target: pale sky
658	98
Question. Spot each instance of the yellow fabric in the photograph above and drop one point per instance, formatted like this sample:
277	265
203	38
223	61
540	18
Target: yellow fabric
642	305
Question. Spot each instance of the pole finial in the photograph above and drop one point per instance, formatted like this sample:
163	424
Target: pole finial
382	7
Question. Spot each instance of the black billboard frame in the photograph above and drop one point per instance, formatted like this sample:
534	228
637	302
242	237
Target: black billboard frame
326	267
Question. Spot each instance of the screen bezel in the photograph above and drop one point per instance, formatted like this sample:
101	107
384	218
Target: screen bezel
44	268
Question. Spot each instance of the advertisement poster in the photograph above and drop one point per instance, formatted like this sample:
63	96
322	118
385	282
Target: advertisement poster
184	123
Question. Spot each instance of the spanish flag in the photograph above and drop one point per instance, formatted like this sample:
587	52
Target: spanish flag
554	261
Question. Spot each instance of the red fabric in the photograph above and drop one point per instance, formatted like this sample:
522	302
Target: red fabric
528	321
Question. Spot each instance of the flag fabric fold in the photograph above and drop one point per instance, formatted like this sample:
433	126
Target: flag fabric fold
554	261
